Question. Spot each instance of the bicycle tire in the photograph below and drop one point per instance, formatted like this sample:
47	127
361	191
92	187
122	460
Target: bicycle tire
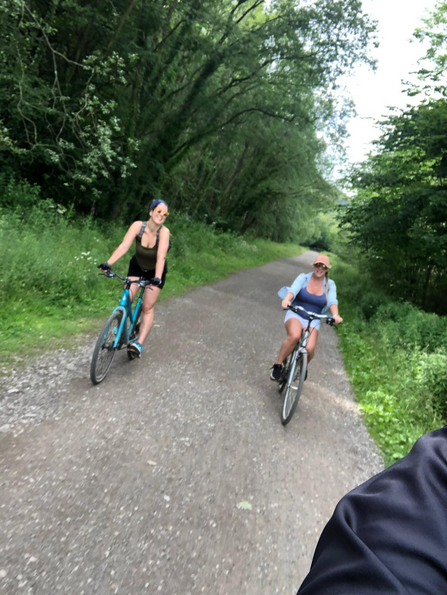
297	373
104	352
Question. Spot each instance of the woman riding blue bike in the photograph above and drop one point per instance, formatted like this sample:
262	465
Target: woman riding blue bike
314	292
148	262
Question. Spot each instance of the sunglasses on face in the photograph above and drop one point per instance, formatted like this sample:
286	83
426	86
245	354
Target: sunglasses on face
318	265
162	213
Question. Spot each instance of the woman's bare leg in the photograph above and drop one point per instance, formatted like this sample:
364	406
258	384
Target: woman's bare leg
150	297
294	330
133	288
311	344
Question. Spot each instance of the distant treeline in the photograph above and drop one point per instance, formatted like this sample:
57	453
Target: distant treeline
398	217
216	106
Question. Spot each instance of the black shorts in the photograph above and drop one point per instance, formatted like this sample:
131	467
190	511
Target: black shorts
136	271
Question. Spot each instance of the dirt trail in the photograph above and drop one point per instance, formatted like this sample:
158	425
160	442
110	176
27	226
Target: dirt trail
175	474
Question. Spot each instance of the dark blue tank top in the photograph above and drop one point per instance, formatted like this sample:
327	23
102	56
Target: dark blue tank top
312	303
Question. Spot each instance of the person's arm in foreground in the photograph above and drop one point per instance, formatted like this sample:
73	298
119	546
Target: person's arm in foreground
389	535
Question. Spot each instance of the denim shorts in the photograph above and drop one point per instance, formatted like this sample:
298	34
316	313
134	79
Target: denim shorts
314	324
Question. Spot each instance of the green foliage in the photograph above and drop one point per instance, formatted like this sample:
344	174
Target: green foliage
324	233
399	216
432	73
434	380
396	360
215	106
17	195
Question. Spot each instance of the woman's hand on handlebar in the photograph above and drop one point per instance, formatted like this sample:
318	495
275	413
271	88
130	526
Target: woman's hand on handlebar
337	319
286	303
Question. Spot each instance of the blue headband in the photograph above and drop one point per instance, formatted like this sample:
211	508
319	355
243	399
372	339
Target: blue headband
157	202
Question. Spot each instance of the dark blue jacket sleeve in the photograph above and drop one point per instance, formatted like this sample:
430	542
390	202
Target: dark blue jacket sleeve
389	535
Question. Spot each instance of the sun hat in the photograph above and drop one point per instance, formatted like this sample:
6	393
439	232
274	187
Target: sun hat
323	259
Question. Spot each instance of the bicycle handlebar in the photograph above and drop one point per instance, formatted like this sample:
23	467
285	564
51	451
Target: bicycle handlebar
141	282
329	320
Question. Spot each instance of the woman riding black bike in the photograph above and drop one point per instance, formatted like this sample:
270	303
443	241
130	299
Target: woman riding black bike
148	262
314	292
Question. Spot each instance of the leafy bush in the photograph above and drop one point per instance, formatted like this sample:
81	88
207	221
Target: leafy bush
434	379
404	325
370	302
17	194
394	354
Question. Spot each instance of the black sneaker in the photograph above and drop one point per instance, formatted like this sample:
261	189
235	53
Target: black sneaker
276	372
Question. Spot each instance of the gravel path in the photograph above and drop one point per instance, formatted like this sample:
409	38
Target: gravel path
175	474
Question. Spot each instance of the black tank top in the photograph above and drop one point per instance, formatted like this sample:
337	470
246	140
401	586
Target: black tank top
146	257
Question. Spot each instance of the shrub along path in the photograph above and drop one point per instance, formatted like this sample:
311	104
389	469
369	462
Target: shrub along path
176	474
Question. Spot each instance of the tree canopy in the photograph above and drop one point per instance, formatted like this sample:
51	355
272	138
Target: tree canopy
399	214
216	106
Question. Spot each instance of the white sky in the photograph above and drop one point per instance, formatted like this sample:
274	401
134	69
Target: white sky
397	58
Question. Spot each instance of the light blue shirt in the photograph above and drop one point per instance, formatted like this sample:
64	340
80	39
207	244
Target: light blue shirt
302	281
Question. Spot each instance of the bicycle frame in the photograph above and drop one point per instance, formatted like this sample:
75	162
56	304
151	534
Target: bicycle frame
303	340
129	318
300	347
312	316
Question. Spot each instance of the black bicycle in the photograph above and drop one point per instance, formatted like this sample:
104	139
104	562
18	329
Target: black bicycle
122	327
295	367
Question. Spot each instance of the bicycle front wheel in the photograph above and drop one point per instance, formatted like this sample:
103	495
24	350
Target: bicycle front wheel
294	385
104	351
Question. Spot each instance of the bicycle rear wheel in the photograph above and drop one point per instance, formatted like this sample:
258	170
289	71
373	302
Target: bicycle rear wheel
104	351
293	385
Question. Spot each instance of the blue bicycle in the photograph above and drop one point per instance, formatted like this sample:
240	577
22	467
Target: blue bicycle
121	328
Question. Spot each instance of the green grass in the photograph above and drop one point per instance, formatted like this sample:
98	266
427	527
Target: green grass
395	357
52	294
